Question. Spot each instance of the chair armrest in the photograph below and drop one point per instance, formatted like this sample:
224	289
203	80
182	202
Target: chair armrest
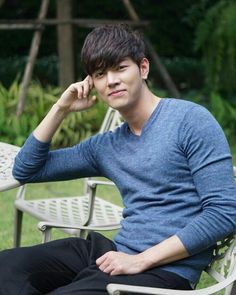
117	289
93	183
92	188
21	192
45	227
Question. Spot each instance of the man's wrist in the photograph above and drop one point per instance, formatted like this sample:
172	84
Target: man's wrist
60	110
146	260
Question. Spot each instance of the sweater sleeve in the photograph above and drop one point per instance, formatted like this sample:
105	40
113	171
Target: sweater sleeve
208	154
36	163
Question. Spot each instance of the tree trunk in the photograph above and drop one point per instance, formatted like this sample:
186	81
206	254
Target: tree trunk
65	41
31	59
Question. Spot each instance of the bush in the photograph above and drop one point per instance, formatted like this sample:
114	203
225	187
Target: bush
186	72
225	113
45	69
75	127
216	38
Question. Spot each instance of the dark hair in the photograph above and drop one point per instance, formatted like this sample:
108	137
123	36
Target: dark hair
106	46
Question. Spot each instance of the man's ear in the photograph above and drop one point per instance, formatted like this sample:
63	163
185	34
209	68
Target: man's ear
144	68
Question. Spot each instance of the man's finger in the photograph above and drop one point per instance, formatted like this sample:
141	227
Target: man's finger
90	80
92	101
86	88
101	259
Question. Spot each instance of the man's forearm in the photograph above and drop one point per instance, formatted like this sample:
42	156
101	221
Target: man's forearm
169	250
117	263
73	99
47	128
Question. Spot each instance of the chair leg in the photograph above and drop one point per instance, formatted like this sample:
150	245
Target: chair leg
17	228
47	233
83	233
231	289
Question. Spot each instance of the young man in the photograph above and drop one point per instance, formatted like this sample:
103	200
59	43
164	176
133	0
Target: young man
170	161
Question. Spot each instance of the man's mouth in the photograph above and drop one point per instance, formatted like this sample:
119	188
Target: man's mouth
117	93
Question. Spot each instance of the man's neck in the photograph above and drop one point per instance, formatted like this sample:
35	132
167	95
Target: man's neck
141	112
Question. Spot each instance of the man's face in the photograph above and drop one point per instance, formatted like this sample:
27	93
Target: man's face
121	87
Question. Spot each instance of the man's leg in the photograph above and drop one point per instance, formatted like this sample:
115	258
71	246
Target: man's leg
92	281
42	268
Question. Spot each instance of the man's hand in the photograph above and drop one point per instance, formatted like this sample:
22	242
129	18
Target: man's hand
118	263
75	97
167	251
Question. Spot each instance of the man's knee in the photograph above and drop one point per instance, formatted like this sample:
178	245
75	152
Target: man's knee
13	260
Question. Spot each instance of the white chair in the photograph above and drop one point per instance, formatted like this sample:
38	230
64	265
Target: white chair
222	269
7	155
87	209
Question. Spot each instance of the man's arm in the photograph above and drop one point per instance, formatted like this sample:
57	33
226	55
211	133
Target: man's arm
36	163
209	160
117	263
74	99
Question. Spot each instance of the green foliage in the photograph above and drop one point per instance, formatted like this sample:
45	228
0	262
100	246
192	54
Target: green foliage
75	127
216	38
225	113
223	110
186	72
45	69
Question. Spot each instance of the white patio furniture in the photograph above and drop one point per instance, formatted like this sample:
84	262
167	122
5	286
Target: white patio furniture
7	155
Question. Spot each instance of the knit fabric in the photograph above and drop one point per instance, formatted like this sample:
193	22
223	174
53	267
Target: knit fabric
175	178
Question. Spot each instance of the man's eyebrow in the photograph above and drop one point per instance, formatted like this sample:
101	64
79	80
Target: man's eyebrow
104	68
124	59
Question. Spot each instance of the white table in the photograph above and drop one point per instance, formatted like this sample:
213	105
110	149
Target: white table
7	155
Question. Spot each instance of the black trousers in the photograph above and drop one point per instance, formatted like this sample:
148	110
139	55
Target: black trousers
68	267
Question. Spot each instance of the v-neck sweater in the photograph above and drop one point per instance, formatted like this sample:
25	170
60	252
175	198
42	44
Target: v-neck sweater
176	178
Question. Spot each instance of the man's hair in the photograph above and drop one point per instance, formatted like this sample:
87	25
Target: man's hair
106	46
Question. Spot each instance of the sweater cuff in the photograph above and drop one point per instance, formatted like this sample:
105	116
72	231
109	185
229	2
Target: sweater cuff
33	144
193	241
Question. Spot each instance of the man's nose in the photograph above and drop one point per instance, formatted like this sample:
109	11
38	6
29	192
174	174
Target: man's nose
112	79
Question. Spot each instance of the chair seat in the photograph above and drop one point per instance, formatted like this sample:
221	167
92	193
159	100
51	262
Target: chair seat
72	211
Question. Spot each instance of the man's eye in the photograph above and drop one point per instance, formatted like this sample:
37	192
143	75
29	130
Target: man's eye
99	74
122	67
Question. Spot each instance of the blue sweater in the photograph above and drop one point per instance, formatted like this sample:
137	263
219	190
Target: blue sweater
176	178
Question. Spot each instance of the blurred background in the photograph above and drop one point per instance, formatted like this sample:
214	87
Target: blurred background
191	46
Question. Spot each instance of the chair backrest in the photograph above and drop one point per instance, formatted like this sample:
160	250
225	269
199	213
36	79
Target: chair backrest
224	261
111	121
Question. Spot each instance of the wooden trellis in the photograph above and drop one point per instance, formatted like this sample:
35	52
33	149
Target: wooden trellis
65	23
